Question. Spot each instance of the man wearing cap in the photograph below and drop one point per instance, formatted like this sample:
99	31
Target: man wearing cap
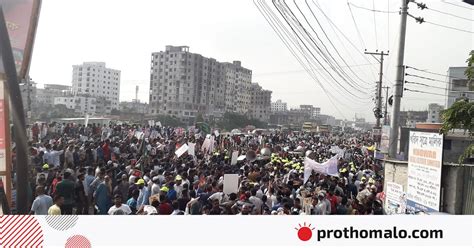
144	193
178	187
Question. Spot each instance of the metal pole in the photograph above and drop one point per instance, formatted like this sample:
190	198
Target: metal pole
395	120
385	116
17	112
379	87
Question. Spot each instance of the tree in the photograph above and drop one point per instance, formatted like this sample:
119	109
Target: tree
461	114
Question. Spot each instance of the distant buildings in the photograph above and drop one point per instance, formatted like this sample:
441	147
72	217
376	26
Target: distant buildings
410	118
279	106
93	79
134	106
458	86
185	85
314	112
46	95
434	113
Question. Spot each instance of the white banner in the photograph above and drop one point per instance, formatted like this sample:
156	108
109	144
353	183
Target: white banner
328	168
425	159
191	149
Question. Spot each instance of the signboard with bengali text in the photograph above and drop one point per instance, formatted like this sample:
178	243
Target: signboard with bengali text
425	160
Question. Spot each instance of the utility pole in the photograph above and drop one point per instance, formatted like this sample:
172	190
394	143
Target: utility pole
395	118
385	116
378	111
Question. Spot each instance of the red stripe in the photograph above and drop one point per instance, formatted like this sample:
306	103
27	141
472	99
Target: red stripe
9	221
19	232
38	242
35	230
13	227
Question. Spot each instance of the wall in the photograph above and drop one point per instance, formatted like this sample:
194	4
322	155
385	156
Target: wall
457	193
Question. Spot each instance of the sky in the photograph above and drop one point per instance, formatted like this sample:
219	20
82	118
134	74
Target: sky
124	33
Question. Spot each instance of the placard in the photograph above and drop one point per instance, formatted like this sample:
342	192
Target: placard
425	159
231	183
235	156
395	200
181	150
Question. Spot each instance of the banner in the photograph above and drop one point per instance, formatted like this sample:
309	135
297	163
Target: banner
385	139
425	159
21	18
396	199
328	168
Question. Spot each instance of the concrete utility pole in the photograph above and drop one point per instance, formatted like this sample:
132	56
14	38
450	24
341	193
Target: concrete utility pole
378	111
385	113
398	92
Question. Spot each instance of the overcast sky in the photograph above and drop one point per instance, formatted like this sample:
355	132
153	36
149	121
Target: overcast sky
123	34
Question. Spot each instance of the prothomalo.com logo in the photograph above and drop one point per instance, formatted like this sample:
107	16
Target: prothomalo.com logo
304	232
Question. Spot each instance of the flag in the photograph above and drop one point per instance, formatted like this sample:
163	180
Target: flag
203	127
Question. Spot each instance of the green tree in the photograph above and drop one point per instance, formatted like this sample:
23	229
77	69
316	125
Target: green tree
461	114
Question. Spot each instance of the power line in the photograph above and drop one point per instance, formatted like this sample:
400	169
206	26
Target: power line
375	27
427	78
453	15
299	35
296	71
427	85
356	27
373	9
460	6
424	92
449	27
434	73
284	34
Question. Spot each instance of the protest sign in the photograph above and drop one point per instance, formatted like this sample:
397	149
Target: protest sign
235	155
395	201
191	149
181	150
231	183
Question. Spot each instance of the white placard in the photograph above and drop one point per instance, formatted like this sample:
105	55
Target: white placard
241	158
181	150
216	133
235	155
231	183
425	159
395	199
191	149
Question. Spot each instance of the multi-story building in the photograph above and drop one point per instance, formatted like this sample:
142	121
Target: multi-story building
238	81
458	87
279	106
260	103
434	113
79	104
95	80
45	96
185	85
314	112
410	118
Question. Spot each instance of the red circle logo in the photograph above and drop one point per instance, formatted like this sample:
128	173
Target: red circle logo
305	232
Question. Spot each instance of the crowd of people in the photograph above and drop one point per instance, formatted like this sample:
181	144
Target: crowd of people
122	169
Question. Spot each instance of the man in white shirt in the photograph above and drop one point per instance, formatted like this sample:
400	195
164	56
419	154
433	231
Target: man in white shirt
51	156
118	208
257	202
42	202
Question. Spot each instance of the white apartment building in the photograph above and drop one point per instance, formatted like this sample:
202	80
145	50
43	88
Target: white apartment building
279	106
80	104
96	80
458	86
434	113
